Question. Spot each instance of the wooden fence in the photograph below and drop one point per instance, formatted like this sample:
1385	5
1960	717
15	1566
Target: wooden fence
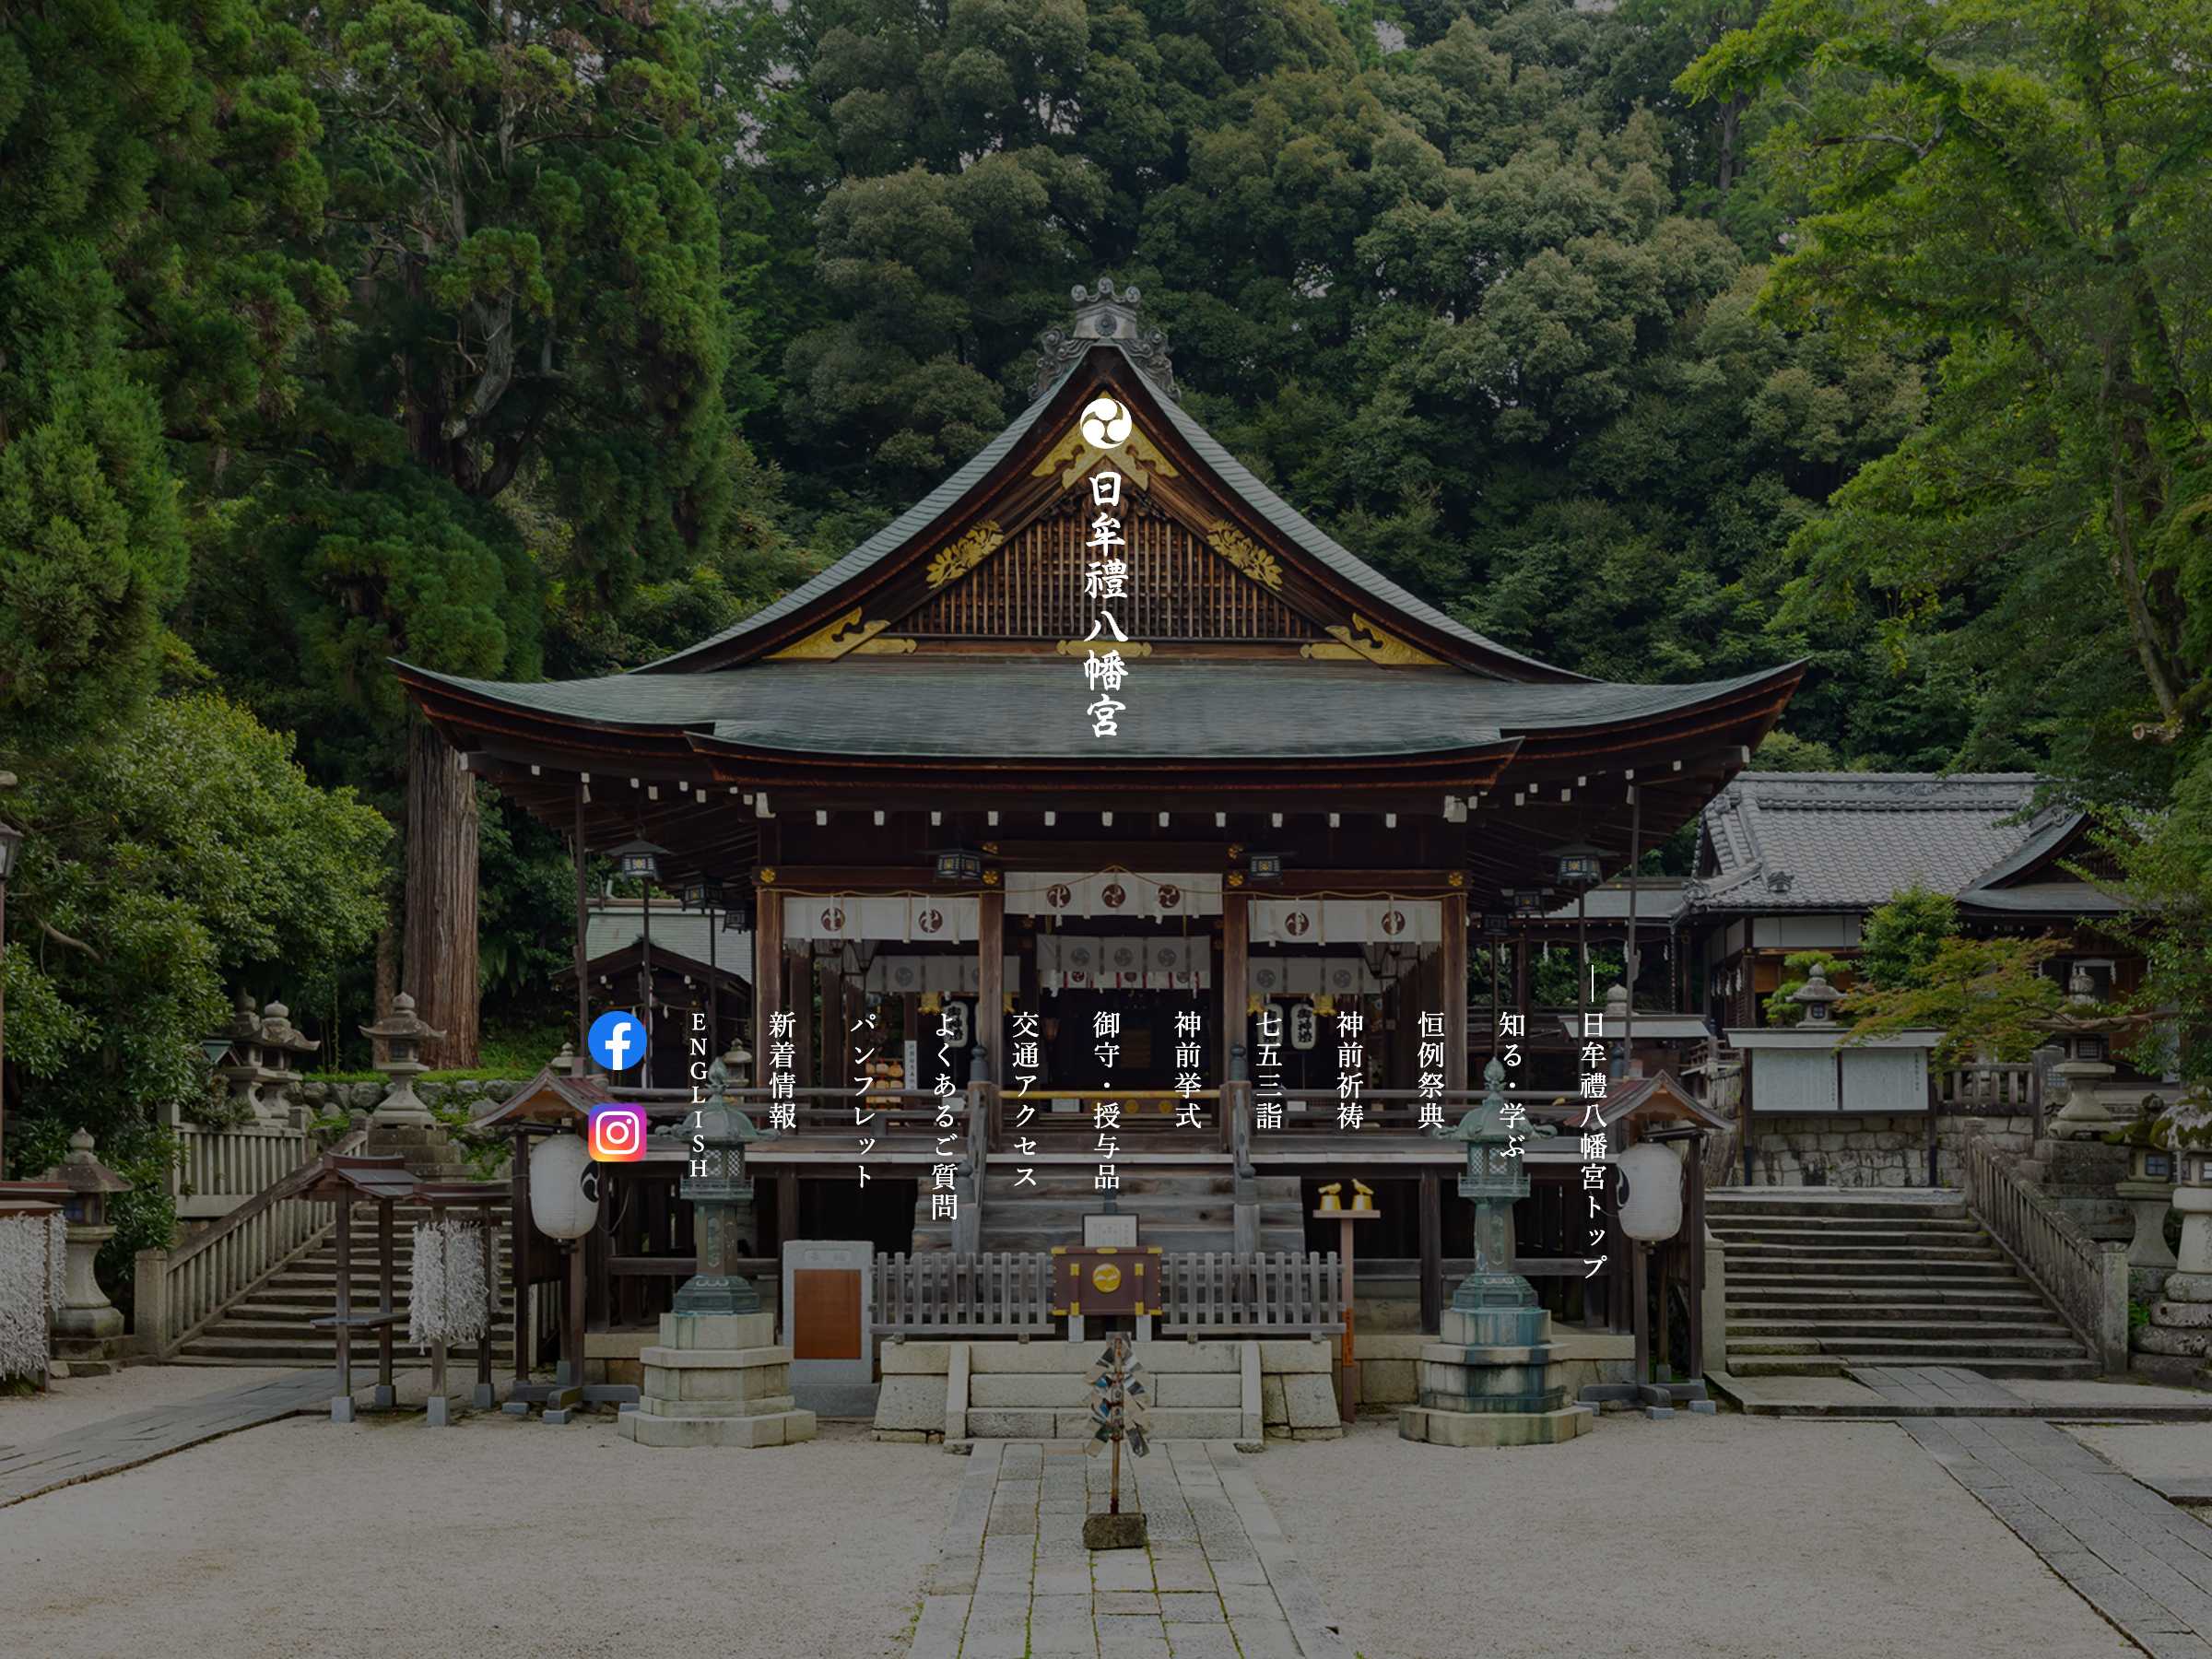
1278	1293
217	1170
2086	1280
177	1291
950	1293
1009	1294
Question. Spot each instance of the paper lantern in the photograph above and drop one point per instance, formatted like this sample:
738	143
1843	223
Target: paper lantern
1651	1207
560	1207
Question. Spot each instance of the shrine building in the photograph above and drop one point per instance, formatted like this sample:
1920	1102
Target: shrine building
1317	790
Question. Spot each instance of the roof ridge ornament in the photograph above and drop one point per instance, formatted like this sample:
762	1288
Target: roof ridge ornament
1105	313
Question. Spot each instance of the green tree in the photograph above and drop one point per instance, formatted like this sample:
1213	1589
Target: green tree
2026	184
1899	940
185	853
1981	994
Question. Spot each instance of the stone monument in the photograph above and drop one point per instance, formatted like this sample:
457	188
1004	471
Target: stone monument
1488	1381
718	1377
2177	1344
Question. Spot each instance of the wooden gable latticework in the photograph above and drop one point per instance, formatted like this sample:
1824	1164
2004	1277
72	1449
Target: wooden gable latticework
1182	586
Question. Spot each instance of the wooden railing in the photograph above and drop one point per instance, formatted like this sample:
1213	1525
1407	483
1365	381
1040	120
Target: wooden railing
1993	1087
2085	1280
1278	1292
1009	1294
179	1290
953	1294
218	1168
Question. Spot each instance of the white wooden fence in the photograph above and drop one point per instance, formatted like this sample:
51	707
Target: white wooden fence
218	1168
947	1293
175	1292
2085	1279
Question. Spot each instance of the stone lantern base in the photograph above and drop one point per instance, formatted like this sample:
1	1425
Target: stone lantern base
1489	1383
2176	1346
717	1380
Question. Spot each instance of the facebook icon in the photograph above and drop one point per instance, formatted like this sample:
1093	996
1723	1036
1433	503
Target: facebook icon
617	1040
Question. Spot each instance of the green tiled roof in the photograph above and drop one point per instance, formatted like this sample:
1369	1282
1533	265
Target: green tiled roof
980	706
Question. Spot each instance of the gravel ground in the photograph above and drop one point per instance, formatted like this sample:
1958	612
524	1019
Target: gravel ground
77	1401
499	1535
1716	1537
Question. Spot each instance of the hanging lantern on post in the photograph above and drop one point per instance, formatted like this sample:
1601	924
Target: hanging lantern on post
564	1201
1651	1200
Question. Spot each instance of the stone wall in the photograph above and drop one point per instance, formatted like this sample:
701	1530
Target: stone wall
1850	1149
363	1097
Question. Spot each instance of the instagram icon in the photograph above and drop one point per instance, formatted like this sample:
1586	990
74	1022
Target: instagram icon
618	1134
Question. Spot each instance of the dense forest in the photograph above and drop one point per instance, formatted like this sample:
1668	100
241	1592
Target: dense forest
1666	340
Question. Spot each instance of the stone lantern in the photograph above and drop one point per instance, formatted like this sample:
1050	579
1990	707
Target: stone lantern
89	1329
1818	998
2149	1191
243	1075
721	1193
2177	1341
402	1033
717	1377
1488	1381
280	1042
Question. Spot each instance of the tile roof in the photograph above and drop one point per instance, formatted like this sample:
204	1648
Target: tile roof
1232	472
689	934
1852	841
972	706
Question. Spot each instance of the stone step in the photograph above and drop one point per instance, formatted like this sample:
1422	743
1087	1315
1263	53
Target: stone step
1733	1208
1847	1254
1813	1293
1769	1347
1937	1350
1837	1333
1830	1306
1035	1423
268	1350
1902	1279
2058	1369
1822	1365
1846	1232
274	1310
1986	1266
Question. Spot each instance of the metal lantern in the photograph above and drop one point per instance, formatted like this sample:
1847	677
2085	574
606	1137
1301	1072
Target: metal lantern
960	865
699	893
639	858
11	845
1529	902
1650	1199
1496	924
739	914
1578	864
1265	867
561	1205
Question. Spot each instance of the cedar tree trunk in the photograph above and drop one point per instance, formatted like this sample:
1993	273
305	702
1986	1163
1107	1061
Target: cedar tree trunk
441	896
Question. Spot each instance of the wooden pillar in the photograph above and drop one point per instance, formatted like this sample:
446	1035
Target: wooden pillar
345	1322
1432	1250
1454	990
798	974
990	982
768	970
787	1208
518	1254
584	906
1693	1220
1236	936
387	1290
837	1052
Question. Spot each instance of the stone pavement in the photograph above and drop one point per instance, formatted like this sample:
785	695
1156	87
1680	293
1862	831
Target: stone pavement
1896	1392
2144	1564
123	1442
1012	1577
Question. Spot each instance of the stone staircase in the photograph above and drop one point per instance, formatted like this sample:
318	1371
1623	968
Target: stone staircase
268	1323
1181	1208
1822	1280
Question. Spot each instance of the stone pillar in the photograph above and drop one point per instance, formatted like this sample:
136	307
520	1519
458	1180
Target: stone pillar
717	1380
2177	1344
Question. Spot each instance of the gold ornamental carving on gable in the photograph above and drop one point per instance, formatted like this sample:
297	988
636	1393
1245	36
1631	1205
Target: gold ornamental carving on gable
962	556
845	633
1136	457
1245	553
1365	641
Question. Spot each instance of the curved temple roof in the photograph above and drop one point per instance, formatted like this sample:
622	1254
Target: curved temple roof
960	706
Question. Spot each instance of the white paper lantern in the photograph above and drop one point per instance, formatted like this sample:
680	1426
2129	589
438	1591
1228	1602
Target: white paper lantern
1651	1208
559	1207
